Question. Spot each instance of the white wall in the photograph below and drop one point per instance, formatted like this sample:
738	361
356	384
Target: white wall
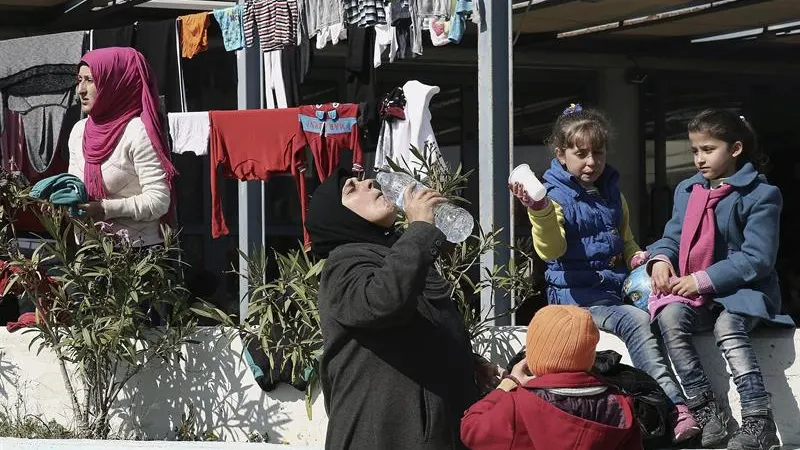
229	402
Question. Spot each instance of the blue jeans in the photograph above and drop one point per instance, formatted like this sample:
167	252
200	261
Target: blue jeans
679	321
632	325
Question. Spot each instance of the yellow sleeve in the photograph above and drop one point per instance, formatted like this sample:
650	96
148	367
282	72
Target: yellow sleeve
630	246
547	229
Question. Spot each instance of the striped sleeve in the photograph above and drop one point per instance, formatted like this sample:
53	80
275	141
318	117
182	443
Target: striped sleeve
249	22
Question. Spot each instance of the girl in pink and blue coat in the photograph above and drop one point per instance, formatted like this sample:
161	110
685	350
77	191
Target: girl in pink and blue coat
714	268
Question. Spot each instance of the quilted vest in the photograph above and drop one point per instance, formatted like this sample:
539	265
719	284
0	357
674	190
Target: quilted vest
593	268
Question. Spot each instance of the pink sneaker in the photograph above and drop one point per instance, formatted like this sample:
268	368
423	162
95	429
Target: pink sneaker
685	425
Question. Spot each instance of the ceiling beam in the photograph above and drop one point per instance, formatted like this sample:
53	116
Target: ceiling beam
520	6
673	15
84	11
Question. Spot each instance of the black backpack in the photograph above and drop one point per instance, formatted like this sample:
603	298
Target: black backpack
652	407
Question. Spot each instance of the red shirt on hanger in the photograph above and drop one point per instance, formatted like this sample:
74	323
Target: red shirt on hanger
254	145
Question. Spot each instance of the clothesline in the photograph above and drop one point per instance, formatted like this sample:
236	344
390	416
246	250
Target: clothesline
278	24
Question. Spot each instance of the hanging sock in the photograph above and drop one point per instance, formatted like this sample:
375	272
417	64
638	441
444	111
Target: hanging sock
194	33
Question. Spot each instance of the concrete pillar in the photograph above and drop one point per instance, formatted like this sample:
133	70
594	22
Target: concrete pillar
250	193
495	135
620	101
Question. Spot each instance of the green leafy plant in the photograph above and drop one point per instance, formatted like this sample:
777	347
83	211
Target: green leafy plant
94	304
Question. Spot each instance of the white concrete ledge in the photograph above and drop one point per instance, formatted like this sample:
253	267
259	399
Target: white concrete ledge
83	444
229	403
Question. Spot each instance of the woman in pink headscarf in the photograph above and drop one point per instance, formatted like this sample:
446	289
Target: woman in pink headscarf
120	151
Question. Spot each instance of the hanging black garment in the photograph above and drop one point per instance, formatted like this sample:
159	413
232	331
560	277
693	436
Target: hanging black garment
113	37
158	42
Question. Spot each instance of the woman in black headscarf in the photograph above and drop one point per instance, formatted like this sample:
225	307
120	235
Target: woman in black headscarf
397	368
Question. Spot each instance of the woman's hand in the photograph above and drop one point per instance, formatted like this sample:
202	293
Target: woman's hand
420	203
660	276
685	286
94	210
487	375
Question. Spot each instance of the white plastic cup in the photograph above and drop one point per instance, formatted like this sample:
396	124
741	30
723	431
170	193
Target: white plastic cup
523	175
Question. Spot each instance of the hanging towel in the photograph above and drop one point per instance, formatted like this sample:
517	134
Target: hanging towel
230	22
189	132
62	190
194	33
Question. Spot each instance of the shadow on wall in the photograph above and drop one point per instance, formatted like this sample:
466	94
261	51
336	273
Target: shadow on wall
212	380
9	375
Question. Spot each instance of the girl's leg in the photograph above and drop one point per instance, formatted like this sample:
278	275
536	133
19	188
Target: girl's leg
678	322
632	325
758	429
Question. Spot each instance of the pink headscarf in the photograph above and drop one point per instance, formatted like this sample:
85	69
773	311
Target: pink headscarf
126	88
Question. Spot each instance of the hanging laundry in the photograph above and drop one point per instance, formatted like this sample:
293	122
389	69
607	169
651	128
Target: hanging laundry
274	22
325	21
189	132
254	145
364	13
359	67
400	47
397	135
230	22
440	34
458	25
43	123
295	66
274	87
194	33
37	77
158	42
113	37
330	129
383	36
12	141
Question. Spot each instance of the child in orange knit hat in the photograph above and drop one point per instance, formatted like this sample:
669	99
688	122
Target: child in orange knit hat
550	400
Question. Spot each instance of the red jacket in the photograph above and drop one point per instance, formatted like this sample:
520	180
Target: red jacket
522	420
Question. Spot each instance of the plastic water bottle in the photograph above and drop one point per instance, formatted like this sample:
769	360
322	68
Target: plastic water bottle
455	222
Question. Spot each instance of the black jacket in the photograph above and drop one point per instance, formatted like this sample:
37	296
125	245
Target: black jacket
397	369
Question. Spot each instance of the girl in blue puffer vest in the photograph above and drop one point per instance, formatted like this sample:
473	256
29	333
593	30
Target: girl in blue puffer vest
581	229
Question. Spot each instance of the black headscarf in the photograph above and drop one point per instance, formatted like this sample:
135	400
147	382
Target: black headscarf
330	224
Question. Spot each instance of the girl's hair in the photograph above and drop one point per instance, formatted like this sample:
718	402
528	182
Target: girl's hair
728	127
585	128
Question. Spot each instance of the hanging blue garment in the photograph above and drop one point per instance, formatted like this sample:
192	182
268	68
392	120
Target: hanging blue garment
458	23
230	21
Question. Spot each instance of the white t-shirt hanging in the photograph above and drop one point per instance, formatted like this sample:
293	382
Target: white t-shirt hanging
398	136
189	132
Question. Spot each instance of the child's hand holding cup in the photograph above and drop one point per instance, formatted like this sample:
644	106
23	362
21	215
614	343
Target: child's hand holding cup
527	188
